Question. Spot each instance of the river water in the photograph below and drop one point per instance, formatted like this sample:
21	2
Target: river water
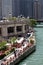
36	58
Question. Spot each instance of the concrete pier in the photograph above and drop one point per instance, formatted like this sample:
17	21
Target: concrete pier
25	54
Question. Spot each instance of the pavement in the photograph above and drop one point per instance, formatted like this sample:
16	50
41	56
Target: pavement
0	62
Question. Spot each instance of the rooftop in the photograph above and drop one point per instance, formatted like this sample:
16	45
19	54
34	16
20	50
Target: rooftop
15	21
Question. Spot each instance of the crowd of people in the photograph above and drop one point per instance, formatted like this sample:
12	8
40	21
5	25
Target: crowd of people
16	54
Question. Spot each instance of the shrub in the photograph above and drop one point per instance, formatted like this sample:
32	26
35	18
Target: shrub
33	22
2	43
13	39
3	48
2	56
12	50
7	53
12	18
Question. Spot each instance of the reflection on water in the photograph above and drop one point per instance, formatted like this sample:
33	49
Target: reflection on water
36	58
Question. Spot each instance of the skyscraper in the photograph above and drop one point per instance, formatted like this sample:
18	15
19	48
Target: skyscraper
31	8
36	9
6	8
9	7
41	3
0	9
26	8
15	7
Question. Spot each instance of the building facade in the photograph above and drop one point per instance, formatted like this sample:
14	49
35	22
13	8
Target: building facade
15	7
36	10
26	8
0	9
31	8
13	28
6	8
9	8
41	2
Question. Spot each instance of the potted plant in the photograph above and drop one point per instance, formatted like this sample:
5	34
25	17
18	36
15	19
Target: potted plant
32	41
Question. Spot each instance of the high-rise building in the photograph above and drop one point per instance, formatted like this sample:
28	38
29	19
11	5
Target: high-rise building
41	2
36	9
9	8
15	7
0	9
26	7
6	8
31	8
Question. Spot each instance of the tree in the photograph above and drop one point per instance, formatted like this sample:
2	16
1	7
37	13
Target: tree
3	43
13	40
33	22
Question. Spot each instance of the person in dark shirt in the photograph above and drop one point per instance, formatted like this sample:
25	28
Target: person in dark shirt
15	53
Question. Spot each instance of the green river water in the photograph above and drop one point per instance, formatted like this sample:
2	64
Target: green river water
36	58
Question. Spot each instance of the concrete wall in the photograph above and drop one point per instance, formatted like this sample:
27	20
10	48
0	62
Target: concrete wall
5	31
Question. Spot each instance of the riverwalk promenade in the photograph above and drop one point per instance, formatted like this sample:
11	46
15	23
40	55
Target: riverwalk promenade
37	57
21	52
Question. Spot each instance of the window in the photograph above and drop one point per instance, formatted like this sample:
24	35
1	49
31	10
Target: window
19	28
10	29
